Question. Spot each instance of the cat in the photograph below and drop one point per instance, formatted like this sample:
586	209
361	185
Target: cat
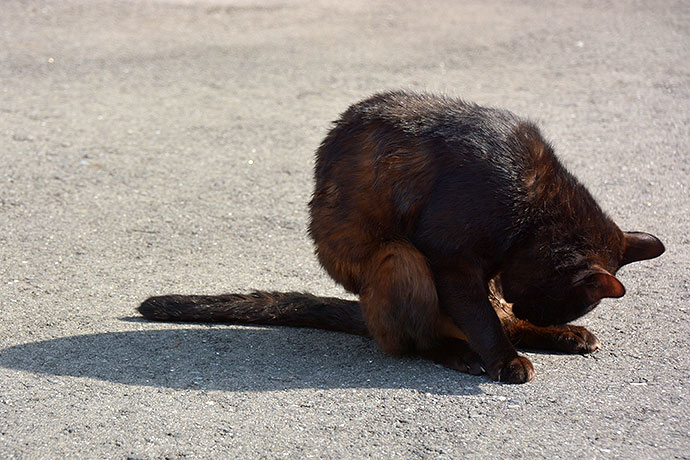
461	233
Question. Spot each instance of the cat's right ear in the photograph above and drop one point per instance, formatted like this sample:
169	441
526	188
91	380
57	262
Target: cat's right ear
596	283
641	246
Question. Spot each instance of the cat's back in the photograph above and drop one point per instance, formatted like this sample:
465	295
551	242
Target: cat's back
424	115
417	139
435	129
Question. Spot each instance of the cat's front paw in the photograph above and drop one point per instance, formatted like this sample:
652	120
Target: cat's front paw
575	339
517	370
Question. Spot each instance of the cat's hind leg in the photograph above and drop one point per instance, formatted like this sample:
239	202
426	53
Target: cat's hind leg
400	307
455	354
399	301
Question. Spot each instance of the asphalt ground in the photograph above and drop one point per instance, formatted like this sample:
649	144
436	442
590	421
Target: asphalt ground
158	147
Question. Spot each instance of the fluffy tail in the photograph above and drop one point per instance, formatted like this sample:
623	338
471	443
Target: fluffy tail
271	308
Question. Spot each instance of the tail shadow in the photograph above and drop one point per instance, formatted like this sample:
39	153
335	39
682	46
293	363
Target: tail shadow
237	359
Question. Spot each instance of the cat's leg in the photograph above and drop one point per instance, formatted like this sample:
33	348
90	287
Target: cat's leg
463	297
565	338
400	307
398	299
455	354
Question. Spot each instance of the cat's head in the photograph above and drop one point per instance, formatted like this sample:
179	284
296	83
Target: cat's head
545	296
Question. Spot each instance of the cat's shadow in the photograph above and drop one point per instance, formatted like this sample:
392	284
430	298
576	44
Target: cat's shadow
234	359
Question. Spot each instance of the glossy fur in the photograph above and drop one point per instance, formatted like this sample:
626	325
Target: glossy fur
460	231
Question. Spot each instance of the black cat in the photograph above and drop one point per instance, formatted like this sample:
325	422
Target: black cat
460	231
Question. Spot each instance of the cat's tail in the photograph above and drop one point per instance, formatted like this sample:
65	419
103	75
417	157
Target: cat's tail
271	308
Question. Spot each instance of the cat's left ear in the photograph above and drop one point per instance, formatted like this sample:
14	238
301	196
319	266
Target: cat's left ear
596	283
641	246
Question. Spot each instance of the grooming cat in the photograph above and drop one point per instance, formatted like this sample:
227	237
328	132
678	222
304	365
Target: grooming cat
459	229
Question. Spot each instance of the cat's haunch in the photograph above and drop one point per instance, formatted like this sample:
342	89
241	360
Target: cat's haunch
459	229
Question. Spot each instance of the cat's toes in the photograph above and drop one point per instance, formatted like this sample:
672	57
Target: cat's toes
517	370
468	362
464	360
577	339
456	355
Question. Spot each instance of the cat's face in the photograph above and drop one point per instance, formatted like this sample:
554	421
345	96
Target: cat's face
544	296
566	297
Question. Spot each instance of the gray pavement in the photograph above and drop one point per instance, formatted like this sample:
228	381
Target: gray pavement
155	147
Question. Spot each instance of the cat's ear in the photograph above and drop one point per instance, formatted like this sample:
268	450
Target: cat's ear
596	283
641	246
